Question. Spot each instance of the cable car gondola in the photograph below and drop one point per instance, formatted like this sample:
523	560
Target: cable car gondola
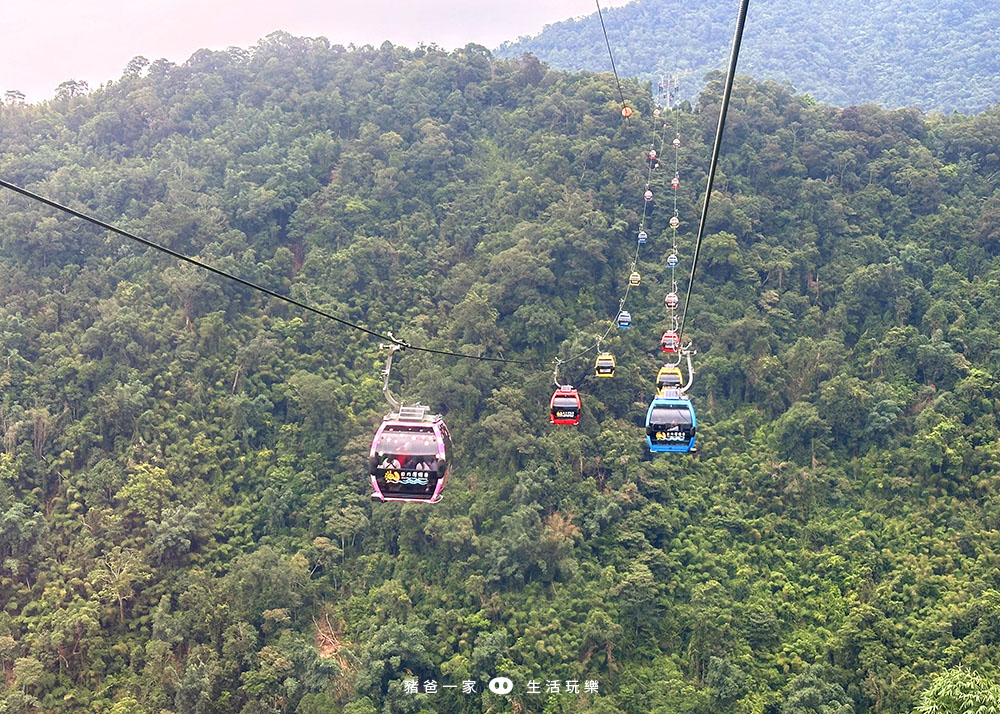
670	424
624	320
670	342
671	301
565	406
604	365
410	456
672	261
669	378
634	279
642	237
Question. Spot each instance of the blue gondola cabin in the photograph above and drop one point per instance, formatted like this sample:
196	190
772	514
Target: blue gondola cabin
670	424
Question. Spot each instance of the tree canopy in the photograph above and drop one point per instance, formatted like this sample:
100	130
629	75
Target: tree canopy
184	514
934	54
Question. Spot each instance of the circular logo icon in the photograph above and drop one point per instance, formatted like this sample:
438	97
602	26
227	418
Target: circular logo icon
501	685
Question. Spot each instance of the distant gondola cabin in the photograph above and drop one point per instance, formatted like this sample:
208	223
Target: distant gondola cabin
669	378
604	365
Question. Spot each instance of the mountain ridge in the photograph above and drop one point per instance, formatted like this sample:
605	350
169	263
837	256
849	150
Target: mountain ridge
939	56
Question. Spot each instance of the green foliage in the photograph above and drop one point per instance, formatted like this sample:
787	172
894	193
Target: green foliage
960	691
146	491
184	517
933	54
812	693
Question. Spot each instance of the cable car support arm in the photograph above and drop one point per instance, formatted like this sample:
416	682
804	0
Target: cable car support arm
555	374
393	348
687	353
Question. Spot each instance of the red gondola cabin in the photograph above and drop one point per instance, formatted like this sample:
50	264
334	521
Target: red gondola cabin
670	342
565	406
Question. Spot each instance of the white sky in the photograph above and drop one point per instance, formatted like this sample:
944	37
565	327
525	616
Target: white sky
45	42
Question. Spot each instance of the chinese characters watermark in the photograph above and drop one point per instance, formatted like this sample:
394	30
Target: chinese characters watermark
504	685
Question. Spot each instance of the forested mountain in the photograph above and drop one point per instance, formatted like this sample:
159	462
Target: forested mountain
939	55
185	523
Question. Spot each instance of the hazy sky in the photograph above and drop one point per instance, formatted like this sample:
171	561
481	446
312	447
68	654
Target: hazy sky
45	42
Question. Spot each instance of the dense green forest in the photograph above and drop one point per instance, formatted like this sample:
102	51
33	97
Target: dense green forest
185	523
939	55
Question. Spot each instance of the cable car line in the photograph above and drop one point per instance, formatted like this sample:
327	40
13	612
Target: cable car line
247	283
625	110
628	284
670	342
670	421
730	76
617	320
410	454
623	318
388	336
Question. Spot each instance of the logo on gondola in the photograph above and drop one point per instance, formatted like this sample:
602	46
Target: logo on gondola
565	414
669	436
406	478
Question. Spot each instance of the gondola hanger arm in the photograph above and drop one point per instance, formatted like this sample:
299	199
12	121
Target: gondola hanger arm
687	352
392	347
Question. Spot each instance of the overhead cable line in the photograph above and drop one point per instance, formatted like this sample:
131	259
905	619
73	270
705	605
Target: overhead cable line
600	338
611	55
730	76
642	221
388	336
